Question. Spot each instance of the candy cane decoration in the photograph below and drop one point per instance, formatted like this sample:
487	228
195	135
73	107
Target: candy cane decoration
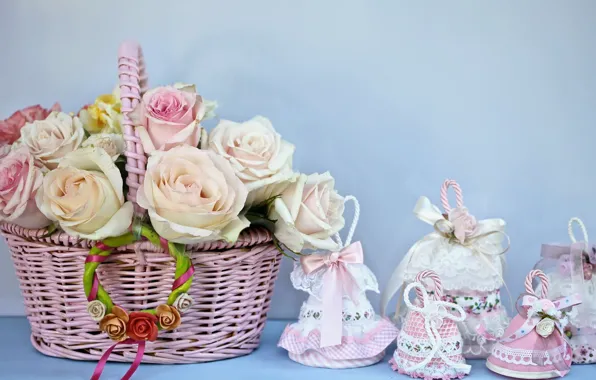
543	279
459	198
438	285
582	227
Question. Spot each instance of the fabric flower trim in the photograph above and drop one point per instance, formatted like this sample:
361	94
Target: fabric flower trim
183	302
477	304
137	326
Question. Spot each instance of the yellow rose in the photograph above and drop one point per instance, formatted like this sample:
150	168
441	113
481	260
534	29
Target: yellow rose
103	116
85	195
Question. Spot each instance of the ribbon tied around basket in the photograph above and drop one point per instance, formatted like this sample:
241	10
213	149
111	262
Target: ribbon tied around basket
434	312
544	316
135	327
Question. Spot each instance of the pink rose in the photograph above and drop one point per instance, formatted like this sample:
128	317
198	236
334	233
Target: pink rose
10	129
464	224
587	269
19	180
169	116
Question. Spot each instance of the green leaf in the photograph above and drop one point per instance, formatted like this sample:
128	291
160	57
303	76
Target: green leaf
50	230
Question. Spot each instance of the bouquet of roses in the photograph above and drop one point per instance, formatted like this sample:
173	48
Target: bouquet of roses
67	171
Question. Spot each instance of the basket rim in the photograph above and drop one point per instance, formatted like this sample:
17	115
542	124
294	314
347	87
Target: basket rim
253	235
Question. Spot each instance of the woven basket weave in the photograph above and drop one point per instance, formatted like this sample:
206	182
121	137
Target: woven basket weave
232	287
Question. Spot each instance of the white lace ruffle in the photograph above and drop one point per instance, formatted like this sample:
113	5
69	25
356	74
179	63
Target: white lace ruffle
355	329
421	348
477	346
313	283
583	315
431	371
524	357
459	267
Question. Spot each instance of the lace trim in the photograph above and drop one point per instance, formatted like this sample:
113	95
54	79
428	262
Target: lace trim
315	315
435	371
313	283
477	304
524	357
457	265
420	348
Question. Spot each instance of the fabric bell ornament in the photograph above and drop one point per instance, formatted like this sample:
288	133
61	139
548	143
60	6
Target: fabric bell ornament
571	269
429	345
534	345
338	327
468	255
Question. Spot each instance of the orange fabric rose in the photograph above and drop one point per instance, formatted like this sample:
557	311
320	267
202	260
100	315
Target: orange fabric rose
114	324
142	326
168	317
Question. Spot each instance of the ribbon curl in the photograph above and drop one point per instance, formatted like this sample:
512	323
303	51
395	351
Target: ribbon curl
434	312
337	283
133	367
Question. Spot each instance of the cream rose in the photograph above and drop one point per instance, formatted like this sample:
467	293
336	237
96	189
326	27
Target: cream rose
193	195
183	302
20	179
112	143
545	327
97	310
84	195
308	213
51	139
257	153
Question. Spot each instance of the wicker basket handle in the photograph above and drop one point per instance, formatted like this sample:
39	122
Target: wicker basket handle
132	83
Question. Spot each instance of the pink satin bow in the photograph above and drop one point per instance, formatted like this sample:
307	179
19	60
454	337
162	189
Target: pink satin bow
337	282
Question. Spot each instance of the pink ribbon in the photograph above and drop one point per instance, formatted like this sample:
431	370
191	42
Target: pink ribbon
548	344
135	364
337	282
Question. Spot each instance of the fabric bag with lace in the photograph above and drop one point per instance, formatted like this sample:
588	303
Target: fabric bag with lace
534	345
571	269
429	346
337	326
468	255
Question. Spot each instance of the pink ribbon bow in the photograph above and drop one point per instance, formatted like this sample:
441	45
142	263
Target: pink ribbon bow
337	282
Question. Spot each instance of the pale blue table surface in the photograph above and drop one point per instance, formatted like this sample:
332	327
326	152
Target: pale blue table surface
20	361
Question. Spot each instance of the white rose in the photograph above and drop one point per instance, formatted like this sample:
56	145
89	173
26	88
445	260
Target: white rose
308	213
85	196
53	138
257	153
97	310
183	302
193	195
112	143
4	150
545	327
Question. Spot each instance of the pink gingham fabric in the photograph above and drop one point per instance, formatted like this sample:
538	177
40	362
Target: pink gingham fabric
351	348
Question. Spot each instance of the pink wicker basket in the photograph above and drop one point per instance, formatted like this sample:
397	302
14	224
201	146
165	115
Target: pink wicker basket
232	287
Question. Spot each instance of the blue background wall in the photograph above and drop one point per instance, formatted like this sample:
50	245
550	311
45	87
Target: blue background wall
391	96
